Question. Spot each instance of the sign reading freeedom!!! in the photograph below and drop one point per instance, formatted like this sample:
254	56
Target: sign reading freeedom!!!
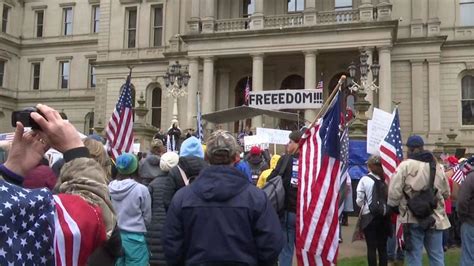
286	99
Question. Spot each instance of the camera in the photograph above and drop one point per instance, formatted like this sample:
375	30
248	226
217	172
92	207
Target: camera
24	116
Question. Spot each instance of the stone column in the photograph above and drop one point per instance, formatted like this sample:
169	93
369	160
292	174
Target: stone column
209	16
256	20
310	80
193	22
417	95
257	82
192	92
222	91
433	19
370	79
309	12
416	27
366	10
208	89
385	82
434	96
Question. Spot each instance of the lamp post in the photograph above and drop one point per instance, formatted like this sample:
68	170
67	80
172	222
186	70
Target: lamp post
359	125
176	80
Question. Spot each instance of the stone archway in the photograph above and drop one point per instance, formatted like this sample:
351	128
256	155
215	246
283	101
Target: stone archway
292	82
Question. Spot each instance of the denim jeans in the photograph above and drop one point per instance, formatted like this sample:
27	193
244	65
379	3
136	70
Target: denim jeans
432	240
467	240
289	226
394	253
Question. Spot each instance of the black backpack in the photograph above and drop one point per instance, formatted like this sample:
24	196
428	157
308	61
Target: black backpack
422	205
378	205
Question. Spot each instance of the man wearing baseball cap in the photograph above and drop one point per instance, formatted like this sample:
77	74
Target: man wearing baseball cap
221	219
420	203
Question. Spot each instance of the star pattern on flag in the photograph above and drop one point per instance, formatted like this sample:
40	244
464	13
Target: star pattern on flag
394	137
26	226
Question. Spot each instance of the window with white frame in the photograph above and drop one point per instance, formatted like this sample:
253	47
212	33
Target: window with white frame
95	18
35	75
2	71
342	5
67	21
295	5
64	70
39	23
248	8
466	12
5	17
92	77
467	100
157	26
131	27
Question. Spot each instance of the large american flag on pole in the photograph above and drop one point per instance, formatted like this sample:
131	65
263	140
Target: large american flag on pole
391	154
317	221
120	127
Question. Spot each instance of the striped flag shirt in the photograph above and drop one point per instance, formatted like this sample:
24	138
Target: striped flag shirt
119	130
317	221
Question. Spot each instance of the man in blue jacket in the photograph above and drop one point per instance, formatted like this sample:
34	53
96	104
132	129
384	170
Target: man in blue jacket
221	219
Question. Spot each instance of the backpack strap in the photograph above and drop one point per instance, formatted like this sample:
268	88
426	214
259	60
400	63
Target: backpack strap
183	176
285	165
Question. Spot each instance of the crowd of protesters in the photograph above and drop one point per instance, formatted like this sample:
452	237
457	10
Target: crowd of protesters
190	203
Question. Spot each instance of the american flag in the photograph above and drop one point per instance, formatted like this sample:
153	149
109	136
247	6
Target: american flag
391	151
200	132
120	127
26	226
344	168
391	154
7	136
317	221
460	172
320	85
247	91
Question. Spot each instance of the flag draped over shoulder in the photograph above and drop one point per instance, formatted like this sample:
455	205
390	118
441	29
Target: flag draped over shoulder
119	130
317	222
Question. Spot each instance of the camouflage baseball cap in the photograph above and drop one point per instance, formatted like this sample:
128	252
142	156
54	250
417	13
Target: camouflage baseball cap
221	144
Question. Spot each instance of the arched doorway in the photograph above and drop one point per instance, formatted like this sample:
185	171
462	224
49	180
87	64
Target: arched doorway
156	107
292	82
240	100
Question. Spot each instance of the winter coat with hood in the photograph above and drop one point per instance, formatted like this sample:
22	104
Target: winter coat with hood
411	177
159	190
262	180
132	203
191	166
149	169
221	218
257	166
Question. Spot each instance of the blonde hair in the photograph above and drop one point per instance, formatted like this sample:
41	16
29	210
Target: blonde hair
98	153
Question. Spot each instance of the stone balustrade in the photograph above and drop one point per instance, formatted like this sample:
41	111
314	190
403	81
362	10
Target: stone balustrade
284	21
334	17
234	24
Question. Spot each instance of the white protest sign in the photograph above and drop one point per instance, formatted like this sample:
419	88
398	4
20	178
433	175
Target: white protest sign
274	136
256	140
136	148
377	129
286	99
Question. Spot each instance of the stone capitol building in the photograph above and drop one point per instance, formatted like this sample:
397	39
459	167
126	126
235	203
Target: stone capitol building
74	55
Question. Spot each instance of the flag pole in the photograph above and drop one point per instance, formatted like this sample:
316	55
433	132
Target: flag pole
342	79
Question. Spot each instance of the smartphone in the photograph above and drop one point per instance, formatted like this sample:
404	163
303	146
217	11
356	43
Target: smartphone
24	117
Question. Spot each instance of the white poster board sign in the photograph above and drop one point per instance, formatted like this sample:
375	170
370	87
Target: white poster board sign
136	148
255	140
286	99
377	129
274	136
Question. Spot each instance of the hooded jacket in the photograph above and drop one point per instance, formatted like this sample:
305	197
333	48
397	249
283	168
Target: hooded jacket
149	169
132	203
257	166
411	177
192	166
221	218
158	188
264	175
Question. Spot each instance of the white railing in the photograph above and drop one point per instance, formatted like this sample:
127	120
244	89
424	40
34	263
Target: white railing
335	17
284	21
234	24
